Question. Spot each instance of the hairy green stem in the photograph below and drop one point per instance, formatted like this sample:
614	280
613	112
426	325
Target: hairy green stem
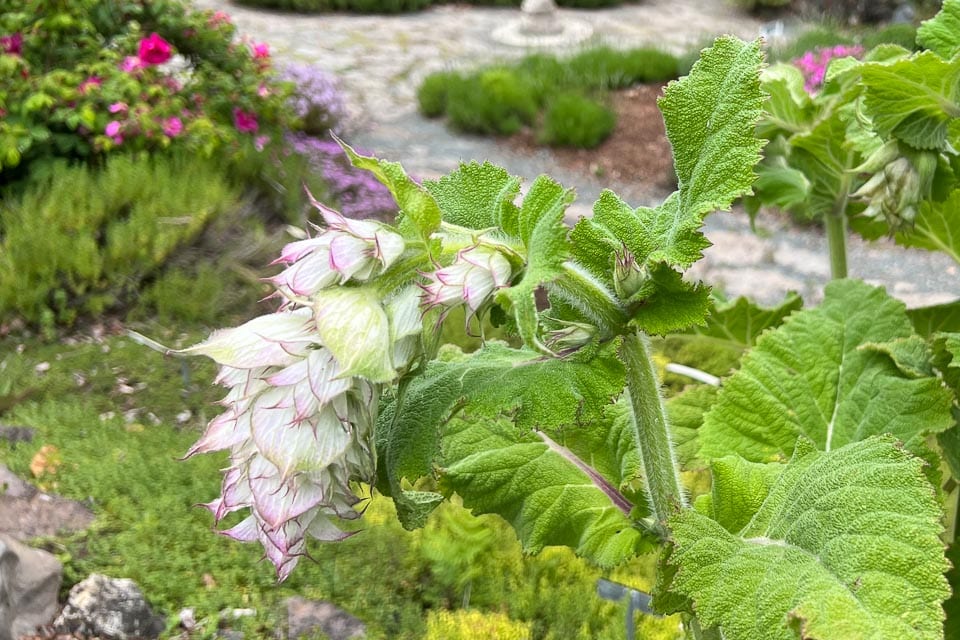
651	428
837	241
836	223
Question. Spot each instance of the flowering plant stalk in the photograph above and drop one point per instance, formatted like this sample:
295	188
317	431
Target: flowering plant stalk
820	516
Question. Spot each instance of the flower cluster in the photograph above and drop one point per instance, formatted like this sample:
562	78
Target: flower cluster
317	100
298	422
158	79
814	63
304	382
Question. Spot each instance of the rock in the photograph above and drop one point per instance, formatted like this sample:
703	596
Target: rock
305	617
14	434
108	608
26	512
29	583
12	486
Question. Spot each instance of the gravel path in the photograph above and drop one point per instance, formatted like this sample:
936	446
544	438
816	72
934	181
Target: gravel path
381	60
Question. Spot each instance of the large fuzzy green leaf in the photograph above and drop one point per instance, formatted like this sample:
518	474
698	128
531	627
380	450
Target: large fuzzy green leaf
915	99
845	545
710	117
938	317
738	490
540	490
739	323
496	381
477	196
941	34
686	411
937	227
814	377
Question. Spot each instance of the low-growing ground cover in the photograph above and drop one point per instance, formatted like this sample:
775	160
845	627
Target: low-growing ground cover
121	417
563	100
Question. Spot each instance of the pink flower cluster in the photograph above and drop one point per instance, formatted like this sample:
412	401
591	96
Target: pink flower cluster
814	63
12	44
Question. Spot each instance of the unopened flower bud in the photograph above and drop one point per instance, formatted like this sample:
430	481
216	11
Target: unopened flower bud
470	280
570	336
628	275
893	192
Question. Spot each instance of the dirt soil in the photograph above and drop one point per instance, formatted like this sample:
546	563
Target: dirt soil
636	152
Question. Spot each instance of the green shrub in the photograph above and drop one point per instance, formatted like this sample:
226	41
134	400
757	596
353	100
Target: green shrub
607	68
902	34
433	91
495	101
821	37
80	240
467	624
572	120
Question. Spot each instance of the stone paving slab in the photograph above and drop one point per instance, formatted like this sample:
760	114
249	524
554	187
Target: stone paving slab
381	60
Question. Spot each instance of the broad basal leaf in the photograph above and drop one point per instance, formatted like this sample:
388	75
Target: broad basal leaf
937	227
686	411
738	490
549	500
845	545
914	100
939	317
493	382
477	196
739	323
417	206
941	34
813	377
710	117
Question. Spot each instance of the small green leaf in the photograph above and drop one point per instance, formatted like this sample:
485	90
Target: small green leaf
497	468
478	196
544	236
416	204
914	100
710	117
668	303
789	107
846	545
941	34
822	156
812	377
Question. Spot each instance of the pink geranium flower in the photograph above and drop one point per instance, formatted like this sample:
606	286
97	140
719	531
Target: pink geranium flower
245	121
172	127
261	50
155	50
131	64
90	83
117	107
12	44
113	131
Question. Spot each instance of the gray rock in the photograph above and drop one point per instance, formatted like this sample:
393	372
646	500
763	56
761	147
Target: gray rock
14	433
12	486
29	583
305	617
109	608
26	512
